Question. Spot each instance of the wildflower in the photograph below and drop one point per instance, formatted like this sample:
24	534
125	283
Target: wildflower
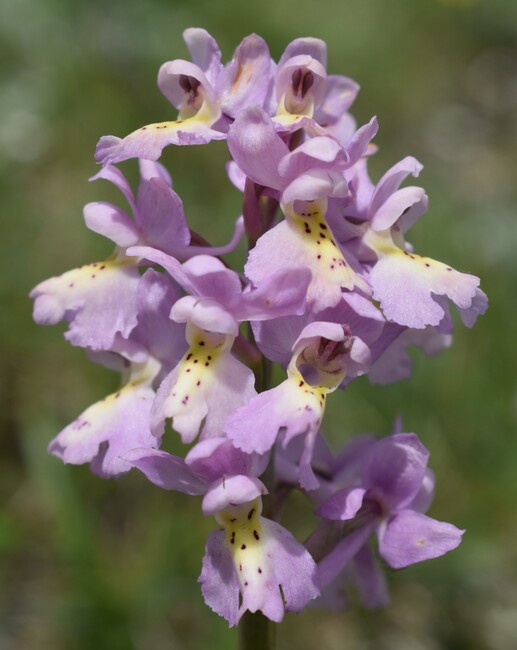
251	563
108	429
206	94
394	491
296	406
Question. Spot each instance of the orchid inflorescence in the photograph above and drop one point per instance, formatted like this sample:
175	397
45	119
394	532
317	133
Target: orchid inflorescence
331	290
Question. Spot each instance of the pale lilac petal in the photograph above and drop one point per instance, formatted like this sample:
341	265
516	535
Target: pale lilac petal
111	427
160	216
255	426
162	337
201	275
169	77
425	495
347	465
478	308
404	285
412	537
315	184
361	188
395	364
169	263
343	130
342	554
316	330
361	316
395	469
206	314
258	573
111	222
276	573
236	175
391	181
286	123
204	51
291	567
395	205
216	457
152	169
280	294
308	479
381	344
212	279
314	47
166	471
285	248
359	359
247	77
256	147
219	581
358	145
98	301
292	408
342	505
150	140
276	337
319	152
202	398
340	95
232	491
412	214
370	579
115	176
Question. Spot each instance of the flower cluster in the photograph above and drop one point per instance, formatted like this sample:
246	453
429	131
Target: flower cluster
331	290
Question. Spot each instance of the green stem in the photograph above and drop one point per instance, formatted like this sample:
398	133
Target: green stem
256	632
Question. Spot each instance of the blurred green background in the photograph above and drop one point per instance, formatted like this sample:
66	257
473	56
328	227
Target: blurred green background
86	563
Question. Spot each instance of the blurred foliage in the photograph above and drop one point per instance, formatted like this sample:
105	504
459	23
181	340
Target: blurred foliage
113	565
